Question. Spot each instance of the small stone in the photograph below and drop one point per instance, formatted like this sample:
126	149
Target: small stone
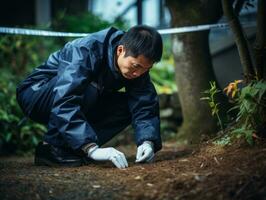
199	177
183	160
96	186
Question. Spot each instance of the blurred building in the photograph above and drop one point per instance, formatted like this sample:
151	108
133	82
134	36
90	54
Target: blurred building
151	12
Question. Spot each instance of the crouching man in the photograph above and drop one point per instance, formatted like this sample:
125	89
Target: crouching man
76	94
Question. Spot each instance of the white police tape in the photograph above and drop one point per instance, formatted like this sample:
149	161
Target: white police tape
24	31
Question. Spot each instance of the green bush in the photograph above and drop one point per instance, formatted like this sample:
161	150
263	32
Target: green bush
163	77
19	55
17	135
250	104
83	23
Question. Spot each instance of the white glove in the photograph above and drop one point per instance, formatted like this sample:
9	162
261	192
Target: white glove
145	152
110	153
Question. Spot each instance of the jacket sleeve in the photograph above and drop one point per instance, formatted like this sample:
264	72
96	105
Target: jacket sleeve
74	74
144	107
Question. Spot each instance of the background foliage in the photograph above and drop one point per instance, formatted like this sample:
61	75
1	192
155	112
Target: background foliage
249	103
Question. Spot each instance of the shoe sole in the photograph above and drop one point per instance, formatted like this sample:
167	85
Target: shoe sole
44	162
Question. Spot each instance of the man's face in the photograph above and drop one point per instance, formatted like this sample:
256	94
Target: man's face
131	67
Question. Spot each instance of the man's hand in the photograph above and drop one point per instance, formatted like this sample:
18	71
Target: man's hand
145	152
103	154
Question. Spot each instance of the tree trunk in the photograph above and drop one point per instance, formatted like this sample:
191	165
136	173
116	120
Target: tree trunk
241	41
260	43
193	73
193	65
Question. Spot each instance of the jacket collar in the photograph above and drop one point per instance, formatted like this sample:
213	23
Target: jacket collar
112	45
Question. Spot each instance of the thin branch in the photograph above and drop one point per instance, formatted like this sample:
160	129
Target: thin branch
241	41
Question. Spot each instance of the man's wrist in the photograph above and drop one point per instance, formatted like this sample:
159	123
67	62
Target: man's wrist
85	148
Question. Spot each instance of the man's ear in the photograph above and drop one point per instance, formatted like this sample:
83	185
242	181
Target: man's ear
120	49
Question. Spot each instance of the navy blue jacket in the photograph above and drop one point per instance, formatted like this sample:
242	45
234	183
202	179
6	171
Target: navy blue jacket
83	61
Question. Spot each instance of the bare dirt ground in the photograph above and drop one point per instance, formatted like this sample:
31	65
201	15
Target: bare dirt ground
205	172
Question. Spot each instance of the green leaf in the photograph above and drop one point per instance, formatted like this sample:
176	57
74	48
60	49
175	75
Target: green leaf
205	98
249	137
34	140
8	137
223	141
212	104
233	108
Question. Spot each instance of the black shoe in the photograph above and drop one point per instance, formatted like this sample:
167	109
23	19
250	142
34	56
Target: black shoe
46	154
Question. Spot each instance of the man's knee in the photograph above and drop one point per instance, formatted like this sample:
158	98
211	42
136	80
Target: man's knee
36	100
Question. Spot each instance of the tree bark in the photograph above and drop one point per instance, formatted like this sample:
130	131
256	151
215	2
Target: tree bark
193	72
260	43
193	65
241	41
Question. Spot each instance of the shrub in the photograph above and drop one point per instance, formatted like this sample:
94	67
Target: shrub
250	104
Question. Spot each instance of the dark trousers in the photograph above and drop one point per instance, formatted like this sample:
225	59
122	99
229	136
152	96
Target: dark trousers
107	112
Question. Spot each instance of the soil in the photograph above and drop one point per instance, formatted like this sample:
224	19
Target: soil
205	172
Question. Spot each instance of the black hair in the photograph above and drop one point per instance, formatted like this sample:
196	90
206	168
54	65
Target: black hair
143	40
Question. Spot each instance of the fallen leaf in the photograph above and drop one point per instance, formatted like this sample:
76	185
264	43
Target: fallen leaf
137	178
183	160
